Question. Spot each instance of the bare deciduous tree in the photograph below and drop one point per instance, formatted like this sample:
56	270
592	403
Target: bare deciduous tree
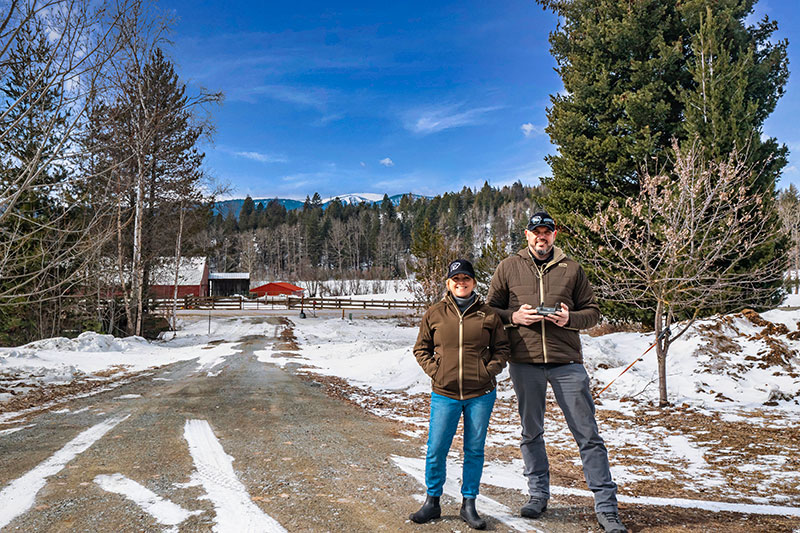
789	211
688	244
54	57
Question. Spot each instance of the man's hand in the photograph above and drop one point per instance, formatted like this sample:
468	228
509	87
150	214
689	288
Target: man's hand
559	318
526	315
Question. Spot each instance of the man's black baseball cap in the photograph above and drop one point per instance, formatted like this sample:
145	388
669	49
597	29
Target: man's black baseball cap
541	219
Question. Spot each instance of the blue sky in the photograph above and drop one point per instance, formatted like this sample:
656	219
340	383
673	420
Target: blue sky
423	97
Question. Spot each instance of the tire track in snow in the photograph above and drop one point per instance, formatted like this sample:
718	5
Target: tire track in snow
19	495
235	510
164	511
416	469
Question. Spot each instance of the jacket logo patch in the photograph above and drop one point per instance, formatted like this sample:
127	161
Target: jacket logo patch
562	265
480	313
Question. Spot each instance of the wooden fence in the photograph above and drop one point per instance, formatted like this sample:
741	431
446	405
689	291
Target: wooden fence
348	303
276	302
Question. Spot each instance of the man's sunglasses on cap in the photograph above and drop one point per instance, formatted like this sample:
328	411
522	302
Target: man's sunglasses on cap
539	220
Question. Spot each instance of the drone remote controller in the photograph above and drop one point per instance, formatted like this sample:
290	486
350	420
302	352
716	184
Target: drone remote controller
544	311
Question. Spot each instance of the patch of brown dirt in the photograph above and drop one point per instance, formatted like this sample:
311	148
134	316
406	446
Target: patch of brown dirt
288	341
116	369
604	328
286	354
48	393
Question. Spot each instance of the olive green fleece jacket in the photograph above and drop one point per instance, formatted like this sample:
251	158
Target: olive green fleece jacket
462	353
518	280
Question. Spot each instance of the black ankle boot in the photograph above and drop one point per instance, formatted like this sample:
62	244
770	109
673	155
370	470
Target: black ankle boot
429	510
470	515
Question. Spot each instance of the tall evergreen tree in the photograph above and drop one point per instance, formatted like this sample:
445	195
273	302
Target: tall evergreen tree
639	74
246	220
274	214
633	78
621	64
154	120
738	76
387	208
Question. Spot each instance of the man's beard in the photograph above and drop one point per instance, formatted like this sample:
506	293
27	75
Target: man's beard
542	253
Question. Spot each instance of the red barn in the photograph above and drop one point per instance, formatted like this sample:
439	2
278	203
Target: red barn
192	277
278	287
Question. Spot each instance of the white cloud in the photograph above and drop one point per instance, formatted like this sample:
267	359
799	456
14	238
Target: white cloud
363	165
447	117
262	158
387	162
306	97
529	129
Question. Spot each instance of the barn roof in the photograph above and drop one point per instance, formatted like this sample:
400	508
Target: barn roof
190	272
229	275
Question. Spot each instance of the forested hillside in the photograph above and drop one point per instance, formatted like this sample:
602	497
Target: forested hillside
373	241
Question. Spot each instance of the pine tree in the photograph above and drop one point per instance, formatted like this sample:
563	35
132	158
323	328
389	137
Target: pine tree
246	221
33	227
492	253
387	208
274	214
638	75
258	216
632	73
153	138
430	261
737	80
620	63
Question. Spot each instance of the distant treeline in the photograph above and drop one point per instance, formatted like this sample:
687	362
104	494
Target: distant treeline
365	240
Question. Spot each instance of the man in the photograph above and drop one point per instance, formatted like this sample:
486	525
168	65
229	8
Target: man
544	299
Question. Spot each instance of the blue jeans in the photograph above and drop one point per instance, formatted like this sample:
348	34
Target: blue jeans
570	384
445	414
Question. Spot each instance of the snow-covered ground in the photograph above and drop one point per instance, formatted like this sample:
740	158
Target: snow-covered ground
728	377
60	360
733	381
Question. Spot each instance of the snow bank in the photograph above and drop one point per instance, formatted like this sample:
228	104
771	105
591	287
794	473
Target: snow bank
369	353
88	341
722	362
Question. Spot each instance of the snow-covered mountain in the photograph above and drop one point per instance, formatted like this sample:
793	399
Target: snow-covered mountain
235	205
355	198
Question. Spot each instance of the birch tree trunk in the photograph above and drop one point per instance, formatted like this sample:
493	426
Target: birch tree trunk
181	216
138	267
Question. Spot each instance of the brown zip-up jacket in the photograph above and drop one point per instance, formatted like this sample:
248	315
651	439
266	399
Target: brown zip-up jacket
462	353
518	280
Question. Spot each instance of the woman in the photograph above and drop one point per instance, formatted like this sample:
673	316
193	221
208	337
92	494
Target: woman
462	346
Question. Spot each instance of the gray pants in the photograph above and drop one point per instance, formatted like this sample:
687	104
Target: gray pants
570	384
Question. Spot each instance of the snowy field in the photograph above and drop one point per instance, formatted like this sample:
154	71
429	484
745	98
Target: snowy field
734	386
729	442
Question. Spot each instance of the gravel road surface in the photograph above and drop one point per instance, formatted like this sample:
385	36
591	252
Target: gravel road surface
247	447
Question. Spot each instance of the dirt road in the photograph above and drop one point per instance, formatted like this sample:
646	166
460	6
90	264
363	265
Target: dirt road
247	447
